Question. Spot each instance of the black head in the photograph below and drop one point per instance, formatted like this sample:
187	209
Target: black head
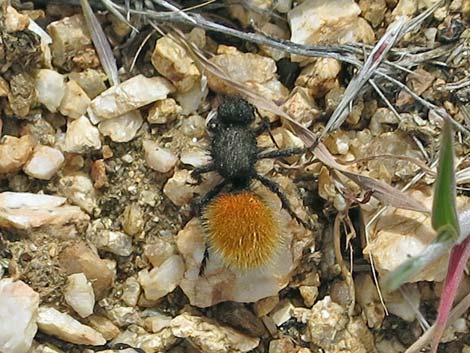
235	110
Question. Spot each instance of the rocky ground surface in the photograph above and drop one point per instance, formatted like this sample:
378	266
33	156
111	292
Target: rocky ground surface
97	243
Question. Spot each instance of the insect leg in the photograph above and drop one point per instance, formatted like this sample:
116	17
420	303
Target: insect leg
276	189
202	268
196	173
282	153
198	204
266	125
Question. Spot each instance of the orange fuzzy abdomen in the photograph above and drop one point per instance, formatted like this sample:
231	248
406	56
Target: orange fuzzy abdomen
242	229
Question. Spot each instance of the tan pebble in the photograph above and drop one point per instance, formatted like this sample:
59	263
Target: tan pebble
98	174
69	38
172	61
104	326
78	293
133	219
75	101
14	21
14	152
65	327
107	152
164	111
79	257
309	294
283	345
45	162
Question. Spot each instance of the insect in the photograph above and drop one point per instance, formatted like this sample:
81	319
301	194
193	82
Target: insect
239	225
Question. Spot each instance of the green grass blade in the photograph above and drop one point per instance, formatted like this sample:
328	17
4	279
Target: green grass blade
444	212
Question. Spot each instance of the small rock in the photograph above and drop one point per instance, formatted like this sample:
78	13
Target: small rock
177	189
159	159
282	312
79	190
173	62
209	336
330	328
14	21
157	322
283	6
98	174
22	95
65	327
320	77
373	11
194	126
133	219
46	41
45	162
420	80
78	257
368	298
136	336
90	80
41	130
326	21
122	128
192	99
405	8
75	101
394	143
26	211
309	294
256	71
162	280
50	88
45	348
124	316
18	310
338	142
129	95
78	293
131	291
164	111
274	31
117	243
283	345
380	119
404	303
14	152
107	152
103	326
4	88
69	40
158	251
301	106
391	345
81	136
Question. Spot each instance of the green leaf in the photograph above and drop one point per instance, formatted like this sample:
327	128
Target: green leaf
444	212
